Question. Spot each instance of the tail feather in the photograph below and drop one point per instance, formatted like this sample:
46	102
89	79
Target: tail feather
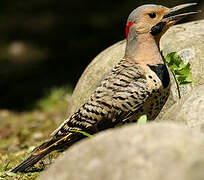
29	162
39	152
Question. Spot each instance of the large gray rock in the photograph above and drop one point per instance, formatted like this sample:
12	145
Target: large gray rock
186	39
189	109
157	151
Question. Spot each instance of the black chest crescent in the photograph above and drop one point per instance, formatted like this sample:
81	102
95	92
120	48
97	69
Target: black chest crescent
162	72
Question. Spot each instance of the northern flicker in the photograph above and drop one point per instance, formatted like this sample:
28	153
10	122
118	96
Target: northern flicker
139	84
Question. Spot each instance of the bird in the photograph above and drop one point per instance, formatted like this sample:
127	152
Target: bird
138	85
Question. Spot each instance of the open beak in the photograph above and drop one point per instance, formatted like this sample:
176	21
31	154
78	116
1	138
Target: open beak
171	19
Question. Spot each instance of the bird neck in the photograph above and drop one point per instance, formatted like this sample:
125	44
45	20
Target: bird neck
143	49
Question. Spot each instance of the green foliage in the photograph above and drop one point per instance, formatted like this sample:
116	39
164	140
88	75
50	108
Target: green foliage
181	72
53	97
18	130
7	174
142	119
30	149
177	66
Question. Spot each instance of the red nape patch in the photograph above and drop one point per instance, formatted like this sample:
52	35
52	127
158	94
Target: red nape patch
128	28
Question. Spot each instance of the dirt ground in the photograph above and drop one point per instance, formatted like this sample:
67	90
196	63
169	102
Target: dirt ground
21	132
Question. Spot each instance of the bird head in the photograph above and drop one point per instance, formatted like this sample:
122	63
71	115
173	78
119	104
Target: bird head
154	20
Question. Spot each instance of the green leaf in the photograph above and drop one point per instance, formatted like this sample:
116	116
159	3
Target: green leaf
185	75
174	61
8	173
30	149
181	71
82	132
184	71
184	79
142	119
168	59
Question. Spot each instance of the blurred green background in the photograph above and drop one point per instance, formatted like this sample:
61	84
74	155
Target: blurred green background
46	44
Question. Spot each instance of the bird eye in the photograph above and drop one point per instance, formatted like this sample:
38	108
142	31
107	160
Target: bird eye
152	15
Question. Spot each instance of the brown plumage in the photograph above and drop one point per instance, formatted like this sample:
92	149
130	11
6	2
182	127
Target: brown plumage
137	85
